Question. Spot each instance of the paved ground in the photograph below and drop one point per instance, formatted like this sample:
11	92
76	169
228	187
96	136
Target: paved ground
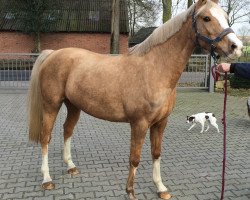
191	162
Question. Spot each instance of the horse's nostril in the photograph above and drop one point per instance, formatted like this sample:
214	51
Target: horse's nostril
234	46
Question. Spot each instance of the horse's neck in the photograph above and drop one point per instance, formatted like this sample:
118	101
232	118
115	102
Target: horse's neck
170	58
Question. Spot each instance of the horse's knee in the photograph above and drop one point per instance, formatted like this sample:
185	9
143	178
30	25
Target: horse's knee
156	152
135	162
156	155
68	131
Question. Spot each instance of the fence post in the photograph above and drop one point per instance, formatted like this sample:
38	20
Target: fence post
206	71
211	79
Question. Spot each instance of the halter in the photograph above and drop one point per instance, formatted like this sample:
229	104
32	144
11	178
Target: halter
213	42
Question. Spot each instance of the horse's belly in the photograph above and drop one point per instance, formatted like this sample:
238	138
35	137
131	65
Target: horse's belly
111	111
112	115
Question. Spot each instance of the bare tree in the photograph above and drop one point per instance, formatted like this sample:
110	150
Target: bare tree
190	2
171	8
238	11
35	17
244	32
146	12
177	6
142	13
115	28
167	10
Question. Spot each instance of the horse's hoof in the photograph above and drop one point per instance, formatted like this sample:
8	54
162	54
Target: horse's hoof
164	195
131	197
48	185
73	171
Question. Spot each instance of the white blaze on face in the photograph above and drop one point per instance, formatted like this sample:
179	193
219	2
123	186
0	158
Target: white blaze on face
221	17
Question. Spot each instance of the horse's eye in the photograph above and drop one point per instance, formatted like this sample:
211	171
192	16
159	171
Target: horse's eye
206	19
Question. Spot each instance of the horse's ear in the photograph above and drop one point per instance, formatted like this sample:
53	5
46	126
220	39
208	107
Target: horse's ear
202	2
215	1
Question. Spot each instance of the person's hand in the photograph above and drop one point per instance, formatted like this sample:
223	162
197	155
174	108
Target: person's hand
223	67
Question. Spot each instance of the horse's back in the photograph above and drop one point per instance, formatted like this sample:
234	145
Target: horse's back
63	62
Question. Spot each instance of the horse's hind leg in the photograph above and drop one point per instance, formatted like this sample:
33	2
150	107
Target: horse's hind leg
49	117
71	120
156	134
138	133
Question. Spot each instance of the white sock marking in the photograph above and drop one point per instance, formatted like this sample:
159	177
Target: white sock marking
157	176
67	154
45	168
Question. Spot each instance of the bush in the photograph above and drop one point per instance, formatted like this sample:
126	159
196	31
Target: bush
236	82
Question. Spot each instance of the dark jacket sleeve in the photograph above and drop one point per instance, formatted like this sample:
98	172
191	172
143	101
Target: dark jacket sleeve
241	70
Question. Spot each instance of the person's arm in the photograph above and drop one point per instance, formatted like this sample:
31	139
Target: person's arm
241	70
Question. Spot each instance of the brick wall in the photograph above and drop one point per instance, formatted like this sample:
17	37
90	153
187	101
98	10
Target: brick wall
11	42
14	42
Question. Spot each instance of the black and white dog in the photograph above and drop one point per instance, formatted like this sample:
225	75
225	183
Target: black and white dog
202	118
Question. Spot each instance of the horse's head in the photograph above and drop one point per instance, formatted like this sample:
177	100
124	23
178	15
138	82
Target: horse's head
210	23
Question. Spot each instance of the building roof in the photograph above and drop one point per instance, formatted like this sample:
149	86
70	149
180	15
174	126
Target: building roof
141	35
73	16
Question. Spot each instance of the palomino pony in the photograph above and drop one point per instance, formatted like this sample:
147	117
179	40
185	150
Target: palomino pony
138	88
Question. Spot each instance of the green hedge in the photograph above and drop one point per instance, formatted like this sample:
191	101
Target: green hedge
236	82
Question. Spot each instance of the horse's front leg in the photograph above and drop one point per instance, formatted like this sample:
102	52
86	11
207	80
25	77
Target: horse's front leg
156	134
138	133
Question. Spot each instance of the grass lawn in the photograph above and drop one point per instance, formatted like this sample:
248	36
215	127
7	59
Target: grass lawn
239	92
236	92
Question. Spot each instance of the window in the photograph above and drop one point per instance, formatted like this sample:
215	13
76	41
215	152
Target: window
94	15
9	15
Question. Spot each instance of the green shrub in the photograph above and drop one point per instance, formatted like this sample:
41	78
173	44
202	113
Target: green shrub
236	82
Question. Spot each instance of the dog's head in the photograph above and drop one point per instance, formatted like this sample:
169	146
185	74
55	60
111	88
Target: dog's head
190	119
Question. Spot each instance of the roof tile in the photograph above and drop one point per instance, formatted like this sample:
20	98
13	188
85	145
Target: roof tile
73	16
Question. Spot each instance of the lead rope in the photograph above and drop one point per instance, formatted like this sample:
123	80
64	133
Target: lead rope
216	76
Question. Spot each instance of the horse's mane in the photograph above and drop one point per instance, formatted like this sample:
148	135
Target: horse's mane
162	33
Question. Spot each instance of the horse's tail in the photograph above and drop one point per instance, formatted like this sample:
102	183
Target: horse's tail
35	117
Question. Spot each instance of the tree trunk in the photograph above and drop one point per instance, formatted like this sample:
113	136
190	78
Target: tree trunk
167	10
115	30
37	48
190	2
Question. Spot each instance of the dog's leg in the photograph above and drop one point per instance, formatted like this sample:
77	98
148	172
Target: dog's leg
207	127
202	127
216	126
192	126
